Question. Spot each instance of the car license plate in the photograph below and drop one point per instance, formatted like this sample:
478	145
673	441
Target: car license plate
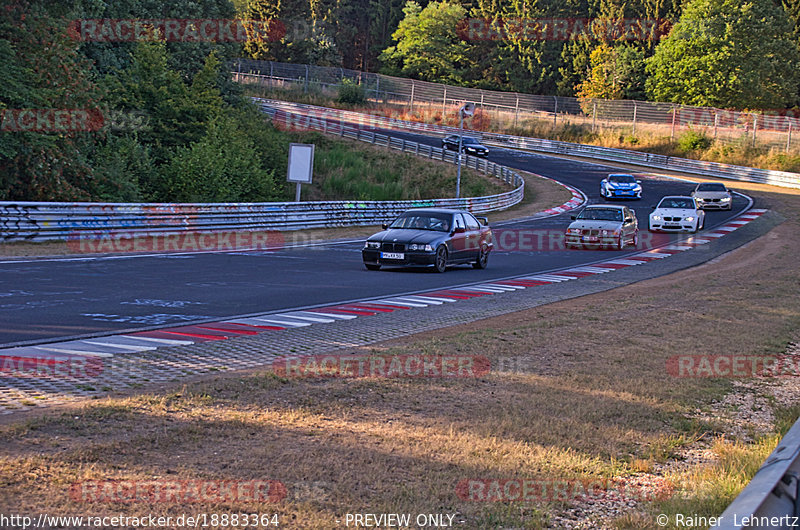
392	255
590	239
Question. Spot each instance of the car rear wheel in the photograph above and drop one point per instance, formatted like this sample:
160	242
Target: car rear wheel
372	267
440	263
636	239
483	258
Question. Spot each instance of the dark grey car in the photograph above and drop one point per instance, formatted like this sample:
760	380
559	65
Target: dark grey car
430	237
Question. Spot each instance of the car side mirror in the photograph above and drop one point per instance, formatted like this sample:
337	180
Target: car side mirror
384	226
652	207
573	217
484	220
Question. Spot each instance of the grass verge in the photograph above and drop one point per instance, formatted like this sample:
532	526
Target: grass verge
579	391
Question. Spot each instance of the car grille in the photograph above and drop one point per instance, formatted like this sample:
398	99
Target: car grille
393	247
711	200
672	219
590	232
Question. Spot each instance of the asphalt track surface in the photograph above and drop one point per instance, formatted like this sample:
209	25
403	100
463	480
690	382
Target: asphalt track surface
42	300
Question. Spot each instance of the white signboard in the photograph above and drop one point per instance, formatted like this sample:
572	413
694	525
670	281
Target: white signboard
301	163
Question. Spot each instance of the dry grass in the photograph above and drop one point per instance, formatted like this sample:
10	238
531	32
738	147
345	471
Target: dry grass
579	390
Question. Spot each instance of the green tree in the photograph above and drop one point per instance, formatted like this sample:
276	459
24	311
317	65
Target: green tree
222	167
42	69
428	46
616	72
727	53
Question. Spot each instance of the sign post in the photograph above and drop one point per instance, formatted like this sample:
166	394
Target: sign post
467	110
301	165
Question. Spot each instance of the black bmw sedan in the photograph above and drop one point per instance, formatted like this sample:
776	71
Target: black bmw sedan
469	145
430	237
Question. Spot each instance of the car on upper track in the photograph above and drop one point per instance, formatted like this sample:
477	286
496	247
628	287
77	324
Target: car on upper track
603	225
677	213
469	145
430	237
621	186
713	195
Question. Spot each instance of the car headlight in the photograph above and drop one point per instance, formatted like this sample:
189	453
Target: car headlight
373	244
690	219
656	218
725	199
414	246
574	231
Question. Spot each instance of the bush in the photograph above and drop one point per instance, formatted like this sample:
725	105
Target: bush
351	93
693	141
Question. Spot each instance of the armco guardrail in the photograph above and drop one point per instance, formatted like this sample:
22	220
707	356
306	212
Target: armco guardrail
42	221
772	499
697	167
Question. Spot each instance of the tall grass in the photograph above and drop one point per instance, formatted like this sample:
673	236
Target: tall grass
349	170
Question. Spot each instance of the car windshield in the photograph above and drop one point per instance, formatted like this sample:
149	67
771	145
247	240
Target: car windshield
622	179
711	186
676	202
601	214
423	221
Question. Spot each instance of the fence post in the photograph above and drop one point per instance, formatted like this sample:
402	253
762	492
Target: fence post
555	111
516	112
305	86
716	123
444	103
412	97
377	88
789	136
674	115
271	76
755	126
634	118
594	114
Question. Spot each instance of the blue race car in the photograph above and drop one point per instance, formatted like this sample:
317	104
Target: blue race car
621	186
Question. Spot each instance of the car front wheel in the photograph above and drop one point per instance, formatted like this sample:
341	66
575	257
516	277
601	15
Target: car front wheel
483	258
440	262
